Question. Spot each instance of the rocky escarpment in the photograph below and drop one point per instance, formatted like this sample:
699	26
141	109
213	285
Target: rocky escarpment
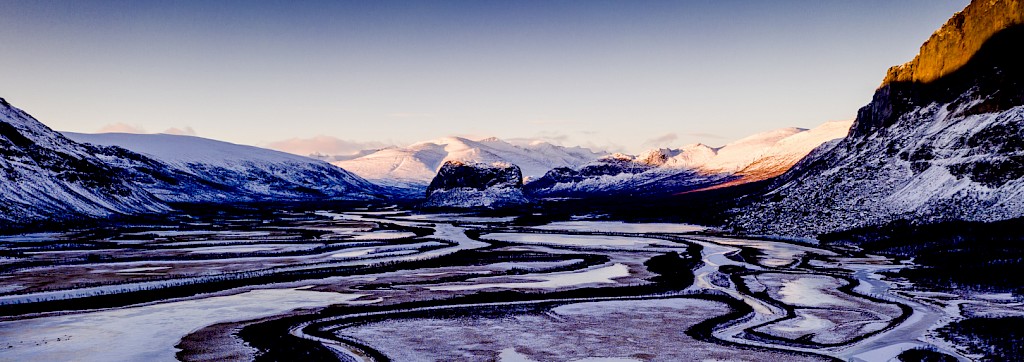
45	177
467	185
977	51
939	141
957	42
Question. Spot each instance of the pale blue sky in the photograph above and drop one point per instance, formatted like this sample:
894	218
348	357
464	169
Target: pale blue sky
609	74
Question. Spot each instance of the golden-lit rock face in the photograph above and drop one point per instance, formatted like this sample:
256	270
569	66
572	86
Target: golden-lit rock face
950	47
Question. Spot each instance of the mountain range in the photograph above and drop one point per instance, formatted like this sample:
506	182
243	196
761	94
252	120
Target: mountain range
50	177
941	140
694	167
412	168
556	171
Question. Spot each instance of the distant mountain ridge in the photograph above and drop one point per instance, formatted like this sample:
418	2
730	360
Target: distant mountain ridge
194	169
694	167
940	140
557	171
415	166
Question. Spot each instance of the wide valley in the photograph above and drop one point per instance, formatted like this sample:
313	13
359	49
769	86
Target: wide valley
391	284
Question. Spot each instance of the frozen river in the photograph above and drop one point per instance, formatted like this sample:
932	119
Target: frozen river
485	289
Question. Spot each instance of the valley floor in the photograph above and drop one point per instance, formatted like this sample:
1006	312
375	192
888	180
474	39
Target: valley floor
392	285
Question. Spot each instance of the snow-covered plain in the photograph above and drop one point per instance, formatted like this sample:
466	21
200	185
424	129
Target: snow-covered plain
552	259
462	218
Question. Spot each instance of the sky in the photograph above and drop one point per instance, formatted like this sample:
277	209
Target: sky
336	76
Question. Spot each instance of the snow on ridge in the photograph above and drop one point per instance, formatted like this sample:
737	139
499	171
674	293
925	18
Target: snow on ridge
786	152
692	167
419	162
735	156
244	173
415	165
180	150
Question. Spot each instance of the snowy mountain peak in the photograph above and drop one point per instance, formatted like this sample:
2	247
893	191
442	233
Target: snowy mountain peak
736	155
657	157
617	157
181	150
415	165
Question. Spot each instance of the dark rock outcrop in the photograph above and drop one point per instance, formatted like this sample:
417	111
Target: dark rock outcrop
469	185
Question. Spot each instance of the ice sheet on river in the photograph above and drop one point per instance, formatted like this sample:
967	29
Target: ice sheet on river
145	333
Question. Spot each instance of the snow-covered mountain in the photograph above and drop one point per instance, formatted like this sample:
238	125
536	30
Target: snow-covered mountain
476	185
416	165
754	158
45	176
940	140
193	169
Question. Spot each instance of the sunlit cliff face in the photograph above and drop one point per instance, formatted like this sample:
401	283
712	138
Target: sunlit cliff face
955	43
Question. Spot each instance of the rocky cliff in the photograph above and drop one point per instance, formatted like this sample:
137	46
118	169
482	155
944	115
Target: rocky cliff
976	51
467	185
956	42
940	140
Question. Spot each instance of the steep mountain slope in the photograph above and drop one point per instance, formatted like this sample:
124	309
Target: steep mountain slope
940	140
473	185
661	171
192	169
414	166
44	176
